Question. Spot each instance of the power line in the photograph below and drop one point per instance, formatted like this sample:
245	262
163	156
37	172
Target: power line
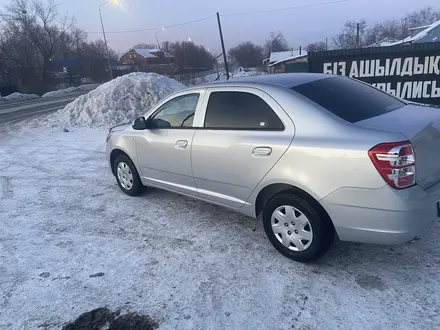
230	14
284	9
158	28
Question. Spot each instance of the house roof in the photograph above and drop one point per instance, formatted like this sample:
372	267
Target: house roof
278	57
385	42
431	33
145	52
281	57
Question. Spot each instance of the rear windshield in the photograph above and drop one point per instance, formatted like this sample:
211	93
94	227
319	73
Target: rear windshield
349	99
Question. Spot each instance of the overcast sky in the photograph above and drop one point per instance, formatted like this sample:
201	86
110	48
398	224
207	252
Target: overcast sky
301	26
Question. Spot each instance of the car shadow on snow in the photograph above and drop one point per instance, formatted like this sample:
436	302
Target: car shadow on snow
344	256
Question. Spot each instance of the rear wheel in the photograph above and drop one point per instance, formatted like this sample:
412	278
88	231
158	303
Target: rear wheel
296	229
127	176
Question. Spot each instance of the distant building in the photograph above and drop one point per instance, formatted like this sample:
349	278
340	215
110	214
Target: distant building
148	60
384	42
287	61
420	34
428	33
146	57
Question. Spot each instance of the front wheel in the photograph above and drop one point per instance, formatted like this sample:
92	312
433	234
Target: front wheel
296	229
127	176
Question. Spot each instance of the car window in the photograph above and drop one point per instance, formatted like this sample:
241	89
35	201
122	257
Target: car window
349	99
178	112
240	110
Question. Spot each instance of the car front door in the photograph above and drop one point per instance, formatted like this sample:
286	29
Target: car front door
164	149
245	133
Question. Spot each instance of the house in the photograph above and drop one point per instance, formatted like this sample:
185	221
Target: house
148	60
428	33
420	34
146	57
384	42
286	61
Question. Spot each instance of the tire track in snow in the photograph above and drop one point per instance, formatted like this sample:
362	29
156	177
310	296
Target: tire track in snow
7	189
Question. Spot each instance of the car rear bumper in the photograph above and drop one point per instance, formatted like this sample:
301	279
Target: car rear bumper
382	216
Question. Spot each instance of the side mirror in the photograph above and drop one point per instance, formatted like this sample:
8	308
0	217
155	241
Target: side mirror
139	124
158	123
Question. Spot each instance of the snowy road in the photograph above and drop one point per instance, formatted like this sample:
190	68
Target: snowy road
187	264
10	111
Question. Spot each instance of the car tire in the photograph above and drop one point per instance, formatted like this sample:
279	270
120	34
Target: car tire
296	229
127	176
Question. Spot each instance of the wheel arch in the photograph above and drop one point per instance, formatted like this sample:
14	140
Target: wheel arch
115	153
273	189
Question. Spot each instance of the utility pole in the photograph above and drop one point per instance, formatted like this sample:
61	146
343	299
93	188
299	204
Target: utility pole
358	41
326	43
105	39
157	39
223	46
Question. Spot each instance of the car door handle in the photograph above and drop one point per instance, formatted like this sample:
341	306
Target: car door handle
181	144
261	151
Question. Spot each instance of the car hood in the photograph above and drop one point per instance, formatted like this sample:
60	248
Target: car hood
119	127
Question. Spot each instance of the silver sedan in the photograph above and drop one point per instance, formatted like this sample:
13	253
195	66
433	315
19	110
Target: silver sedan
314	156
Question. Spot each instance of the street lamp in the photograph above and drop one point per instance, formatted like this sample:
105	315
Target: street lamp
157	39
105	39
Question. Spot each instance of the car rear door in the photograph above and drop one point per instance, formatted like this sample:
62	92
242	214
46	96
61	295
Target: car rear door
164	154
244	134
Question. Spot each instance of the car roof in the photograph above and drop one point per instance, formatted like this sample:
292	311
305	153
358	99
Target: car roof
288	80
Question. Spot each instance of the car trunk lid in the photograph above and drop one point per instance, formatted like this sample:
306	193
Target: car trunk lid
421	126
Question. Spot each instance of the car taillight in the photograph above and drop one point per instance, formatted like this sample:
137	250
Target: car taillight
395	162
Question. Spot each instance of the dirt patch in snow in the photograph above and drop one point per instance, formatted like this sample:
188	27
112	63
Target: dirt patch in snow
118	101
103	318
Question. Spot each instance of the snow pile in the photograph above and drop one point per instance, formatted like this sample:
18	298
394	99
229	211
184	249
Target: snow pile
19	97
62	92
118	101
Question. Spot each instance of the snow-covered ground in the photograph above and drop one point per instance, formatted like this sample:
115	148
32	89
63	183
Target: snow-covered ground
24	97
61	92
70	242
19	97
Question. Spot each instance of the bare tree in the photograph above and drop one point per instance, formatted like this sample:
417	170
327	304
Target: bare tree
42	26
347	38
317	46
144	46
79	41
34	36
247	54
96	49
275	43
50	32
425	16
166	47
17	51
189	55
390	29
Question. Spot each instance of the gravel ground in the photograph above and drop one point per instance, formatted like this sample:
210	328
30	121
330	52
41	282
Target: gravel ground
71	242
